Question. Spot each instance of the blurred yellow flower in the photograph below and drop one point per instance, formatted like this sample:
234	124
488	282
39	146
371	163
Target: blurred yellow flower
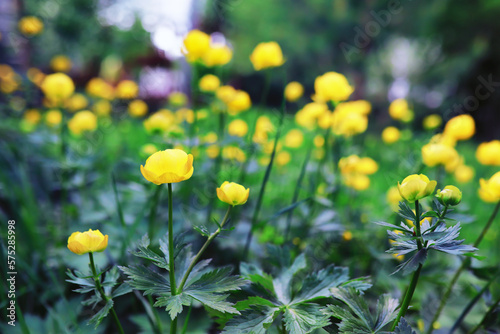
35	75
30	26
438	154
225	93
233	193
488	153
209	83
76	102
347	235
294	138
450	195
309	115
267	55
391	135
393	197
319	141
400	111
32	116
210	138
169	166
283	158
238	128
213	151
148	149
87	242
415	187
353	164
332	86
82	121
157	122
217	55
234	153
102	108
137	108
348	124
263	127
461	127
97	87
358	182
463	173
196	44
57	87
127	89
489	190
177	99
293	91
60	63
53	118
362	107
239	102
432	122
185	114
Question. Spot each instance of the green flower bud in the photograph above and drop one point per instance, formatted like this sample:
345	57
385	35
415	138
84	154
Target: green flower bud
450	195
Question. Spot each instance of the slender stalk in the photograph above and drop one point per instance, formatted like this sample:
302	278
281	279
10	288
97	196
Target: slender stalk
152	213
97	281
202	250
171	271
465	264
186	322
417	225
157	321
486	316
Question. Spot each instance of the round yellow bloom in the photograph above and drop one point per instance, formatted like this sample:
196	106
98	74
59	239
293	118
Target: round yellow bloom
438	154
362	107
332	86
234	153
82	121
53	118
209	83
97	87
32	116
177	99
393	197
319	141
60	63
210	138
358	182
169	166
415	187
353	164
157	122
283	158
87	242
102	108
238	128
311	113
30	26
489	190
460	127
148	149
463	173
233	193
225	93
196	44
137	108
57	87
450	195
185	114
293	91
347	235
294	138
432	122
35	75
267	55
240	102
349	125
77	102
399	110
213	151
127	89
489	153
217	55
391	135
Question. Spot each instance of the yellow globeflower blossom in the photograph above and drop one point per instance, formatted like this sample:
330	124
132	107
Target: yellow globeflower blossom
157	122
309	115
353	164
177	99
233	193
185	114
102	108
30	26
415	187
348	125
489	153
225	93
391	135
460	127
400	111
57	87
283	158
234	153
358	182
463	173
209	83
87	242
238	128
53	118
32	116
60	63
169	166
137	108
127	89
489	190
294	138
210	138
362	107
77	102
432	122
393	197
82	121
267	55
97	87
319	141
332	86
438	154
217	55
213	151
347	235
293	91
450	195
240	102
196	44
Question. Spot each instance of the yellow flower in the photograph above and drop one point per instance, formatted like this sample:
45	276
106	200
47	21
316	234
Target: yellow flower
393	197
127	89
233	193
347	235
348	125
196	44
267	55
76	102
82	121
399	110
432	122
53	118
217	55
60	63
35	75
294	138
263	127
238	128
102	108
450	195
239	102
360	107
213	151
319	141
356	165
225	93
157	122
489	153
438	154
177	99
358	182
234	153
209	83
283	158
311	113
293	91
332	86
169	166
97	87
148	149
30	26
460	127
32	116
185	114
464	174
57	87
489	190
391	135
415	187
87	242
137	108
210	138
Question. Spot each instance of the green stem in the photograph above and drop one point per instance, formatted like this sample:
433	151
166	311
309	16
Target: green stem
97	281
186	322
203	248
486	316
171	271
465	264
152	213
157	321
417	225
408	297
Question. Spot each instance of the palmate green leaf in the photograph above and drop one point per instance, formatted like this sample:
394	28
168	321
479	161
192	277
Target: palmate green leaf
304	318
147	280
404	327
253	300
213	300
254	321
85	282
217	280
406	212
173	304
103	312
281	284
144	252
